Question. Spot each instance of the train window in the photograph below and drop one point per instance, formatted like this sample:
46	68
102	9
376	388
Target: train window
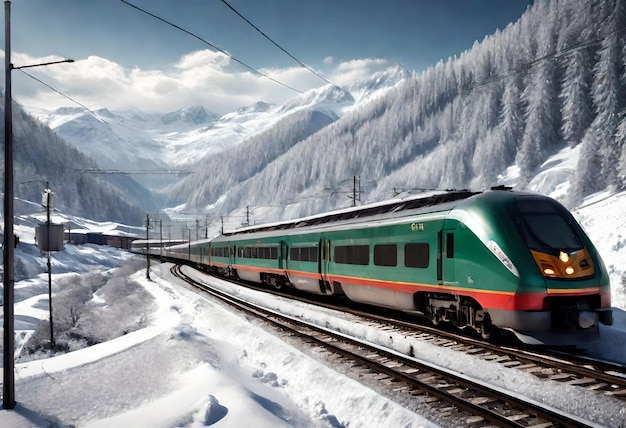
450	245
352	254
545	227
417	255
386	255
304	254
274	253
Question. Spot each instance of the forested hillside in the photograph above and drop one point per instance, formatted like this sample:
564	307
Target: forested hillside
552	80
226	169
40	156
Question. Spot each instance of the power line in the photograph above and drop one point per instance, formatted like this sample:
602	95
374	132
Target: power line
211	45
132	172
59	92
554	55
277	45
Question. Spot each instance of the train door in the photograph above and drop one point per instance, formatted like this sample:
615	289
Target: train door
282	256
324	262
447	255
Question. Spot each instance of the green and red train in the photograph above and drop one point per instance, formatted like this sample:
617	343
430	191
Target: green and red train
490	260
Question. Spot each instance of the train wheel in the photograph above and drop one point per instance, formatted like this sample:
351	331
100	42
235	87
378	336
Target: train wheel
487	329
276	282
435	319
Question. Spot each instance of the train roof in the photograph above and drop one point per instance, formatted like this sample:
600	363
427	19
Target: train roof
378	209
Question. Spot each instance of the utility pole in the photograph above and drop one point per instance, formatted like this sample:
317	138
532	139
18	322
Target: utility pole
8	387
48	194
147	246
356	190
8	397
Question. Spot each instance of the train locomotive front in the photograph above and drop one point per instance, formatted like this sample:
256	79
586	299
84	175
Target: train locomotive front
522	263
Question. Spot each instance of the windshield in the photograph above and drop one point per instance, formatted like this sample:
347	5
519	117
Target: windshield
545	227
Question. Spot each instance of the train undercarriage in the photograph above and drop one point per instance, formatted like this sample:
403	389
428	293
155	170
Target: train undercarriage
460	311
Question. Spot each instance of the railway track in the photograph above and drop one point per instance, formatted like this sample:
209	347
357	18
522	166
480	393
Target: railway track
589	373
458	399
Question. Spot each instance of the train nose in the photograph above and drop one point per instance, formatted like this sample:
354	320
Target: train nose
587	319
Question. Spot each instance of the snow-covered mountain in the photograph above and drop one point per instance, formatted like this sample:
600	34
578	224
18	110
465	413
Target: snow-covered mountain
132	140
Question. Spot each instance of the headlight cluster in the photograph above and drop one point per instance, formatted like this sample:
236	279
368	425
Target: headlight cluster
576	264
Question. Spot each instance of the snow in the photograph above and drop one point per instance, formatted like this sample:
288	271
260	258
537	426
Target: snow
195	364
130	138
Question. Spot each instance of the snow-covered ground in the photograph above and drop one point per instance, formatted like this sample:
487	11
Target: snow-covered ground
165	356
192	363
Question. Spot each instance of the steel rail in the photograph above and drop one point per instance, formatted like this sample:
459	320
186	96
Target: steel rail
513	410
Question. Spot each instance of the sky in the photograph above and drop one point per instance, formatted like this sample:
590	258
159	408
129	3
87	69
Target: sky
125	58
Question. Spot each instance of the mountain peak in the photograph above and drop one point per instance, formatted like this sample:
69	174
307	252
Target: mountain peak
195	115
326	96
258	107
381	80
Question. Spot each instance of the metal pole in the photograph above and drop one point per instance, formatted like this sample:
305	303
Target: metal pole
147	246
49	264
8	397
8	388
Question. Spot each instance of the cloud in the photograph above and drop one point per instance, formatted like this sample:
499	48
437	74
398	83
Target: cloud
204	77
358	69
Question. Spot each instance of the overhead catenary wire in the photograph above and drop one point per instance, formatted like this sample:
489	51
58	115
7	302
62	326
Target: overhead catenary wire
277	45
59	92
212	45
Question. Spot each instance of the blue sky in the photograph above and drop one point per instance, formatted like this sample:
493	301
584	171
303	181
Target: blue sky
128	59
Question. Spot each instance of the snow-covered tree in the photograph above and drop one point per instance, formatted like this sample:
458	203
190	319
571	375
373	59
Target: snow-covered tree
606	90
577	109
